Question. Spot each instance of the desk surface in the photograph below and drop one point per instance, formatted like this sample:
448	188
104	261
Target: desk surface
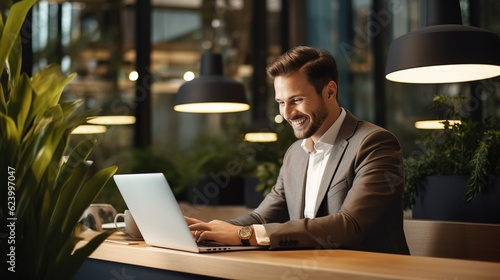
300	264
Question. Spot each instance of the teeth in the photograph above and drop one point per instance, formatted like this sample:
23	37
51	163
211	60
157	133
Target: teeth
298	121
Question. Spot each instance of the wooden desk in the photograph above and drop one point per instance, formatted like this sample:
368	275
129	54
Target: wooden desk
301	264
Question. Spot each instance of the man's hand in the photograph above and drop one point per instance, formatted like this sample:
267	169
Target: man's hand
216	230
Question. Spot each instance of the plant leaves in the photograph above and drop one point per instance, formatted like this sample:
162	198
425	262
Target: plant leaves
14	60
48	84
86	196
3	103
35	132
68	184
20	102
9	140
468	148
12	26
68	264
44	141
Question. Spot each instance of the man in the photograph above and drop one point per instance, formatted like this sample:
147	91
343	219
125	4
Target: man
340	184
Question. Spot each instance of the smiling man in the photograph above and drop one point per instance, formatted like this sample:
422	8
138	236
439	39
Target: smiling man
340	184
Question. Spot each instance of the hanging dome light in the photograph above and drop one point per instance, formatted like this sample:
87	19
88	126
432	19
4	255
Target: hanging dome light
445	51
211	92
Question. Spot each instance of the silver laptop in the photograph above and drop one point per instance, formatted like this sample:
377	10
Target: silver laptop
155	210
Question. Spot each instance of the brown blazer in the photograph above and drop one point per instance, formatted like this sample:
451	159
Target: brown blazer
359	202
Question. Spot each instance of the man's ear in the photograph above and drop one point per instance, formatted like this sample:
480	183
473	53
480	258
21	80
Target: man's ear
331	89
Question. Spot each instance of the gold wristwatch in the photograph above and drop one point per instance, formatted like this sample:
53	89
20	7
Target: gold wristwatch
245	233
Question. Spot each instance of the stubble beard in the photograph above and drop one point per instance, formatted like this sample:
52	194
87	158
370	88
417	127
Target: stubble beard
317	120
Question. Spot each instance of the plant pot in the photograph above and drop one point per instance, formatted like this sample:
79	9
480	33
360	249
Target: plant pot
216	191
442	198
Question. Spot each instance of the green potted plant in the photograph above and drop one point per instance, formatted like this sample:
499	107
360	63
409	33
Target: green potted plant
43	197
455	174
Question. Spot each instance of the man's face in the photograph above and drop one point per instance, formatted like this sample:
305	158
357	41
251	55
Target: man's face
301	106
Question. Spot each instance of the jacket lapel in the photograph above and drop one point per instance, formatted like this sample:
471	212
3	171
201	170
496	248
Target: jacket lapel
341	142
302	163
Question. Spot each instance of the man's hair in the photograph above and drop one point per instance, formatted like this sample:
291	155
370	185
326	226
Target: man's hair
319	66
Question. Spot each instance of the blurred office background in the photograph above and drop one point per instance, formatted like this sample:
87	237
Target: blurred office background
131	58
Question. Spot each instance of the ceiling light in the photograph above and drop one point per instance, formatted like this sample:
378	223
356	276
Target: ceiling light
116	111
112	120
89	129
261	136
211	92
435	124
261	131
445	51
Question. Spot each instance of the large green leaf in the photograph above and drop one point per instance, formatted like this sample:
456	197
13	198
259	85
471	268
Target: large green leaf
71	107
50	179
9	140
68	263
37	155
3	106
3	103
9	143
14	62
1	26
48	84
11	29
20	102
86	196
72	119
69	220
68	184
54	232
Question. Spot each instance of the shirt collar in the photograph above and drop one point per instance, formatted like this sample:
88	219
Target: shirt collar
327	139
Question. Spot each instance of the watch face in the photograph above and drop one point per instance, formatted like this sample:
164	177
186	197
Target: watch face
245	232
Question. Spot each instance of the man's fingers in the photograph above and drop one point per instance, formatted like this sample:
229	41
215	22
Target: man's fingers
190	220
201	232
197	234
200	236
199	226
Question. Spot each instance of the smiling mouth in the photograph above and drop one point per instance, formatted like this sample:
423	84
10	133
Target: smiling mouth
298	121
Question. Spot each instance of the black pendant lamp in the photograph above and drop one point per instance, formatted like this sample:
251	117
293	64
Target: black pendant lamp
445	51
211	92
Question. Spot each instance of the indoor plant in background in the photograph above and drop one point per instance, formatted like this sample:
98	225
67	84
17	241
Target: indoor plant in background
43	198
212	168
455	175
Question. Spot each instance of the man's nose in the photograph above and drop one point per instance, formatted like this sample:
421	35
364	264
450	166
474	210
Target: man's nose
286	111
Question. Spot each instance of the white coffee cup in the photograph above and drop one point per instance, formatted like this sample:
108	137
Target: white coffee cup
98	214
130	225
